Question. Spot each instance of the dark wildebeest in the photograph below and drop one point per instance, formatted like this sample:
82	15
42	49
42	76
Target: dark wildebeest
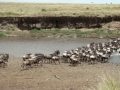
3	59
49	58
55	57
39	58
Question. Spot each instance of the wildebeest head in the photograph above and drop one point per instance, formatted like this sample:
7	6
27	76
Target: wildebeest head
57	52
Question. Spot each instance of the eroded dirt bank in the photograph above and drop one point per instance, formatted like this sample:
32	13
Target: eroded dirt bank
28	23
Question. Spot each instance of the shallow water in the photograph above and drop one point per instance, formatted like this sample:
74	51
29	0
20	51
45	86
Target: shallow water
115	58
46	46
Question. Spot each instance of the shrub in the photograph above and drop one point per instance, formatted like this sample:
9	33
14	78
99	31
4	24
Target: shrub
43	10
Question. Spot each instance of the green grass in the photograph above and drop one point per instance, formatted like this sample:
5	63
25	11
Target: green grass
30	9
73	33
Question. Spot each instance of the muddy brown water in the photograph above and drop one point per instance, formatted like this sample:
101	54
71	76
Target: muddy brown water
19	47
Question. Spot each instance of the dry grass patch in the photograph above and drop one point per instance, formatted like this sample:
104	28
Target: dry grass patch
110	81
26	9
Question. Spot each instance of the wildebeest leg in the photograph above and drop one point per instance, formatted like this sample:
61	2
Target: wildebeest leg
106	60
103	59
41	63
50	61
65	60
68	60
92	61
59	61
35	63
98	59
71	62
45	60
3	64
84	59
89	61
54	61
74	63
79	61
24	66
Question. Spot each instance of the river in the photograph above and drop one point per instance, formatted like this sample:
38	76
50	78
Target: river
19	47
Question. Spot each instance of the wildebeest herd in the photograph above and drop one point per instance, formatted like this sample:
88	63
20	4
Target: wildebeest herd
91	54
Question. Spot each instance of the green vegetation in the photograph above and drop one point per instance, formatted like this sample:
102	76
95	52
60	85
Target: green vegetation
30	9
2	34
109	83
73	33
62	33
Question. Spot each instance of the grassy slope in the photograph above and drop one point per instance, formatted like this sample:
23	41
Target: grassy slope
95	33
63	33
15	9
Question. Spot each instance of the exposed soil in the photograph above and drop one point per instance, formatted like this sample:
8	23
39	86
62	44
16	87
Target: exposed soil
53	77
8	27
112	26
48	22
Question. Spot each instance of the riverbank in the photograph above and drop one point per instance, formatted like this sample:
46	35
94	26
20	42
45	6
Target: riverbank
57	27
28	20
61	33
54	77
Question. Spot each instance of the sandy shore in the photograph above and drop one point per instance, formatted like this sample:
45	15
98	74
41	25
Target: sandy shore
53	77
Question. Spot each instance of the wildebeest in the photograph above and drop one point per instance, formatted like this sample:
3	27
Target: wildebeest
32	59
92	53
66	56
74	60
54	57
4	59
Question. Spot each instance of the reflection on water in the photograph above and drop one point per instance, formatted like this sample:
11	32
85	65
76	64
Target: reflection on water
46	46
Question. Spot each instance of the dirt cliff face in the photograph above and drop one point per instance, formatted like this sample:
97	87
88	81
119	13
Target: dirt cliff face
28	23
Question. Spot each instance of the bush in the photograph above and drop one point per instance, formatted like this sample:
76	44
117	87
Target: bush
43	10
2	34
